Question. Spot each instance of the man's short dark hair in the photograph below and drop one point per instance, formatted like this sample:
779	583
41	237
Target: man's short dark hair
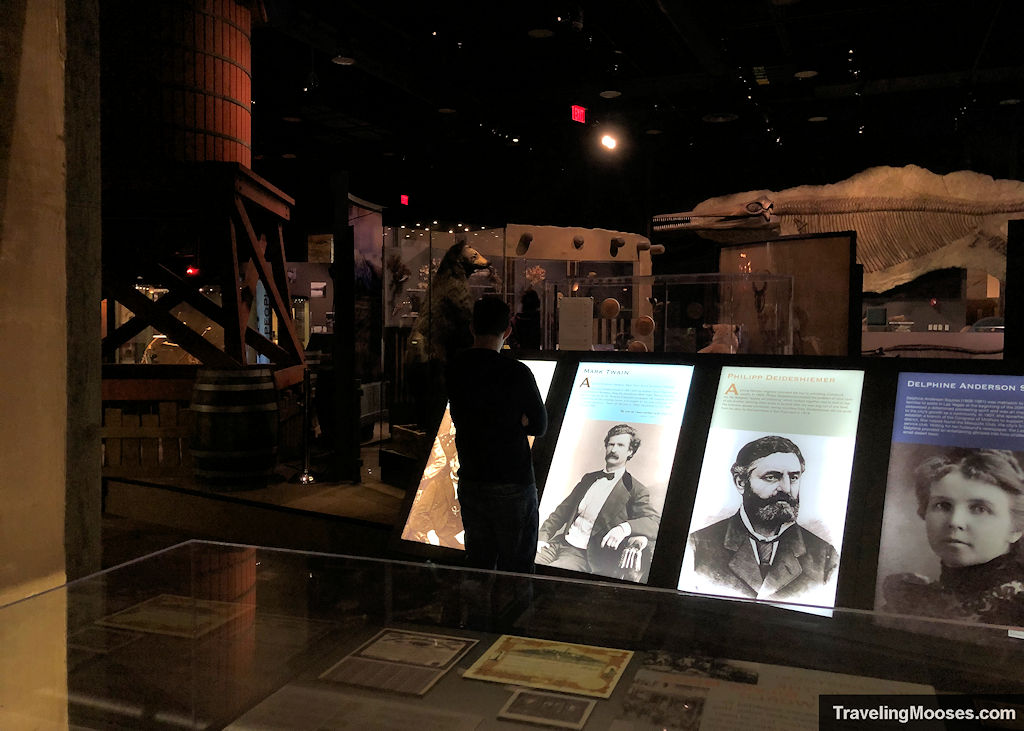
755	450
490	315
634	439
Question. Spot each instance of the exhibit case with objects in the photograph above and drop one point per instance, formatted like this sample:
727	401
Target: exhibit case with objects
670	313
213	636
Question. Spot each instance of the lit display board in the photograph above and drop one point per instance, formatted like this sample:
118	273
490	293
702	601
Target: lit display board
770	508
601	507
950	545
434	517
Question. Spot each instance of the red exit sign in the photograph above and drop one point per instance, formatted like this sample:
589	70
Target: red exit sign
579	114
404	200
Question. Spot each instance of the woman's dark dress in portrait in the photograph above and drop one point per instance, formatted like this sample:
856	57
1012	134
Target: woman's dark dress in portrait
992	593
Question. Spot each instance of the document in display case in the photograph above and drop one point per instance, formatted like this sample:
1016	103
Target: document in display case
601	507
950	545
770	509
435	517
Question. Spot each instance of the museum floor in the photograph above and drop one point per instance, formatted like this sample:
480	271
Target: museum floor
336	517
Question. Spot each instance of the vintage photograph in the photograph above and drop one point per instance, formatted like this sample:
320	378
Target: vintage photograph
769	516
547	709
434	517
178	616
399	661
559	666
951	530
662	701
601	507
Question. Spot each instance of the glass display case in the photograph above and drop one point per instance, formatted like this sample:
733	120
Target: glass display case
210	635
412	256
679	313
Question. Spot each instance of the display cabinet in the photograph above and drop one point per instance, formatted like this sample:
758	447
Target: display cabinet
678	313
210	635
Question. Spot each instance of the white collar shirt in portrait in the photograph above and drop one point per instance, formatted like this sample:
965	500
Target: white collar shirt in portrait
579	531
754	536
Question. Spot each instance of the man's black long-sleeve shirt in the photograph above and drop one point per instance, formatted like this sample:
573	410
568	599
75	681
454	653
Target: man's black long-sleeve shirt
489	393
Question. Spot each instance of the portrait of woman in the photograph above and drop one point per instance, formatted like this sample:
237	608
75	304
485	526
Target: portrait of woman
972	505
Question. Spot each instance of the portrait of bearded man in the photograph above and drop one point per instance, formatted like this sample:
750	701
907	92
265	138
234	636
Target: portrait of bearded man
762	551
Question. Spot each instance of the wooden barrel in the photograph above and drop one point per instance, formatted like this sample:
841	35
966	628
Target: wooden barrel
234	445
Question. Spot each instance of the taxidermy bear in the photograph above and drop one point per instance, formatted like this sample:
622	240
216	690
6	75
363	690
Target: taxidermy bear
442	328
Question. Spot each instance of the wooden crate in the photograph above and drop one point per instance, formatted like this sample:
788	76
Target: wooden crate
149	443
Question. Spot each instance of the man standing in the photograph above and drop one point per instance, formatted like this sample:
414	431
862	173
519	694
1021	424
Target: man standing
606	509
761	551
495	404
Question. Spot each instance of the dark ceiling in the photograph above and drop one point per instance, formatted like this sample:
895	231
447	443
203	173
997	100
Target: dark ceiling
710	102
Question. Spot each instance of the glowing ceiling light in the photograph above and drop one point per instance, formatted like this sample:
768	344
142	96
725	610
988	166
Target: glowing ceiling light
609	142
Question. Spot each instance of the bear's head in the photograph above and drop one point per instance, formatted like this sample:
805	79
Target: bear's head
462	259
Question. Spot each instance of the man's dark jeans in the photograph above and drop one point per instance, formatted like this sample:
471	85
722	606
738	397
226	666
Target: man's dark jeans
501	524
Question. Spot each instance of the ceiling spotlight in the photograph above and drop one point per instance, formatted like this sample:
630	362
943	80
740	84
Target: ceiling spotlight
288	155
609	142
806	74
343	60
610	94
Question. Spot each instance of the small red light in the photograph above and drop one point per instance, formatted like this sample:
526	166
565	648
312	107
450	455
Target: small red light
191	271
404	200
933	302
579	114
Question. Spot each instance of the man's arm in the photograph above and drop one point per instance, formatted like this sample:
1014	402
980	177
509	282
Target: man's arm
535	416
644	519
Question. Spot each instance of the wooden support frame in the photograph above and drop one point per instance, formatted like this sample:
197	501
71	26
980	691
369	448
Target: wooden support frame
272	284
247	216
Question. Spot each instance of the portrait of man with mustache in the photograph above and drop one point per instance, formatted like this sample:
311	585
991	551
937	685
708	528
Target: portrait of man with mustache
761	551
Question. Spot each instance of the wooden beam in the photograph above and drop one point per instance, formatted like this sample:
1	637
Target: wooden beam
265	346
283	309
215	312
148	389
261	198
189	339
286	377
277	263
136	324
236	318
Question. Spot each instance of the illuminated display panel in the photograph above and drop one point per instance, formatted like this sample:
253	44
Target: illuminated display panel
582	512
950	545
434	517
752	481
